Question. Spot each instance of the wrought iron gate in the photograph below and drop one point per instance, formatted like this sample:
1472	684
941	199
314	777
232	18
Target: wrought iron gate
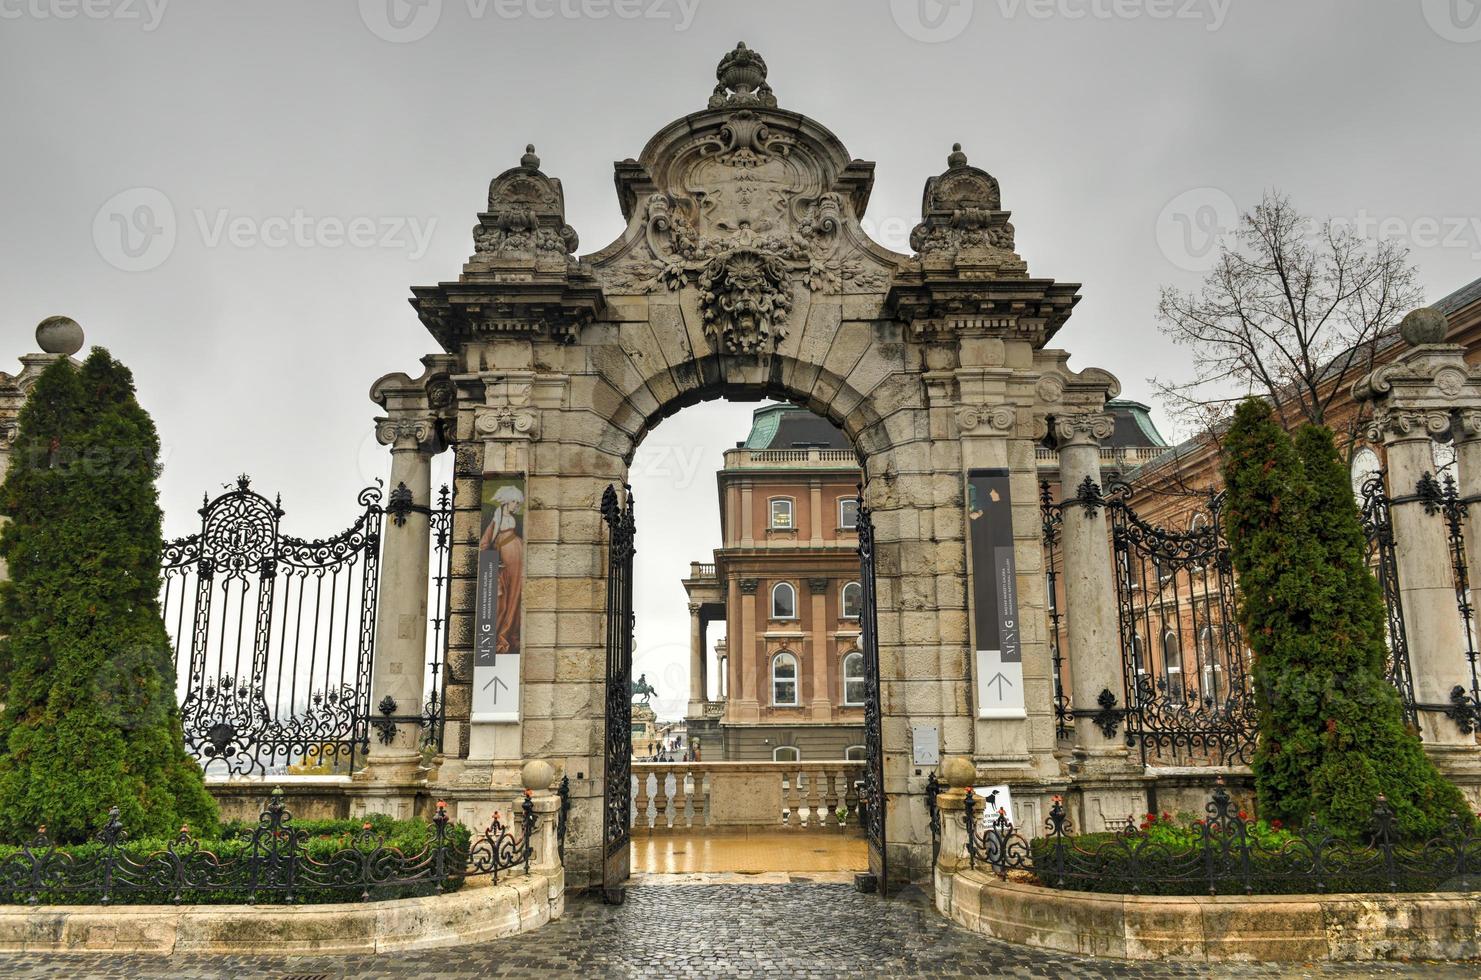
273	636
617	775
872	797
1185	667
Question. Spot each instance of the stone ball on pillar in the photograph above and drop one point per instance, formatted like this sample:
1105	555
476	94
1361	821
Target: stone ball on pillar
537	775
59	335
957	771
1425	325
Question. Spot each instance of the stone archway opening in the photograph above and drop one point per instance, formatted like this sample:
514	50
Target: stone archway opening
748	535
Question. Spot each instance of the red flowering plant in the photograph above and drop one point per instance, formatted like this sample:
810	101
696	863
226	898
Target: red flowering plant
1183	830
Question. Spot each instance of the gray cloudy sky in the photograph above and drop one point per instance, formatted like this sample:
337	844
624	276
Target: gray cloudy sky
235	197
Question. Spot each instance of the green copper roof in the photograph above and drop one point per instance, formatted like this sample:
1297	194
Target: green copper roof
764	423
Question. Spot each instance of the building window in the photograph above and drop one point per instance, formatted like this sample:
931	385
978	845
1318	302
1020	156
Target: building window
786	753
854	687
1365	466
783	601
848	513
781	514
1172	660
856	753
784	680
853	596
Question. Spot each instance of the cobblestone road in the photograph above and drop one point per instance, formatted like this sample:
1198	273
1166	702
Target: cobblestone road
690	930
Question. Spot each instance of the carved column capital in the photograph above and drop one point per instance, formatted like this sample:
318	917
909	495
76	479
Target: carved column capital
1466	425
505	422
407	432
991	420
1390	425
1087	429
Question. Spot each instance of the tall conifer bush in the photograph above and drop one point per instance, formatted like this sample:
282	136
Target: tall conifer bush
1332	734
90	718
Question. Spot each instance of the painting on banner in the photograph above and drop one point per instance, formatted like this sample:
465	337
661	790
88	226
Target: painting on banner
499	606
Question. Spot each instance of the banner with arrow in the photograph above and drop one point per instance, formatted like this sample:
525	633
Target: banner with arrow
997	636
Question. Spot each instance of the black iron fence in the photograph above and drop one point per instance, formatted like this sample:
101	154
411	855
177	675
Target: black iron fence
277	862
1225	852
274	635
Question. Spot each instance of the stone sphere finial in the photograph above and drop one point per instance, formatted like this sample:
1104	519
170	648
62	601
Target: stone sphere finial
59	335
529	161
957	771
957	157
1425	325
537	775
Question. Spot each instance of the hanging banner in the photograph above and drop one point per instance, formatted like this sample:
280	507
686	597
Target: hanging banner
996	632
498	604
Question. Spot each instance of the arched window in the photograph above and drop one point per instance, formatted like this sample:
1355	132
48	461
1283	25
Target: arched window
1172	662
784	680
1365	466
848	513
781	514
854	687
856	753
786	753
851	600
783	601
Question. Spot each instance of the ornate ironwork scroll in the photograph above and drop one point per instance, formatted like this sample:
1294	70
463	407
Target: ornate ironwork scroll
434	715
1052	515
273	637
1184	663
1379	528
872	797
617	778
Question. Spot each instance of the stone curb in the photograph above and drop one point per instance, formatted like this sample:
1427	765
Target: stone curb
475	913
1266	928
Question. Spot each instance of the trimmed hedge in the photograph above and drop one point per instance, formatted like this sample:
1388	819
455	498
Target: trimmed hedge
333	863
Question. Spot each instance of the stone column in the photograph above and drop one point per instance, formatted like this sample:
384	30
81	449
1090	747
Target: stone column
1090	596
1416	398
820	649
401	626
697	692
957	773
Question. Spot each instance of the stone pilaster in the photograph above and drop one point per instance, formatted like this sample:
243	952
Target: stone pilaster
696	664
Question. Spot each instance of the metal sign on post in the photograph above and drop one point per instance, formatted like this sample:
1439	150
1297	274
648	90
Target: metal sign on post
996	626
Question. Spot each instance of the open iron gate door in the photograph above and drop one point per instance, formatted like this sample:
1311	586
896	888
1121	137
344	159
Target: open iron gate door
617	775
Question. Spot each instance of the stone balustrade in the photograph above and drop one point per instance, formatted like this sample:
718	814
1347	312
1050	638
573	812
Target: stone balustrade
795	795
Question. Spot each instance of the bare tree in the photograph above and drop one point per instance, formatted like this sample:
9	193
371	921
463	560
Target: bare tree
1291	309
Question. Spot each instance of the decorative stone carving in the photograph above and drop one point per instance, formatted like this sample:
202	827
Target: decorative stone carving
494	423
1088	429
961	211
1395	424
993	420
527	213
416	430
748	206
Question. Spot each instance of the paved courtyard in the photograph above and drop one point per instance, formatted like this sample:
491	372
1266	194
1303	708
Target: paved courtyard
686	929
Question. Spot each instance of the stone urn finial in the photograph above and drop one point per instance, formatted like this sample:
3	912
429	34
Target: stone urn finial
529	161
59	335
742	80
957	159
1425	325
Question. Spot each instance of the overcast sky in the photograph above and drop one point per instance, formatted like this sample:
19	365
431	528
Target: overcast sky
252	135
